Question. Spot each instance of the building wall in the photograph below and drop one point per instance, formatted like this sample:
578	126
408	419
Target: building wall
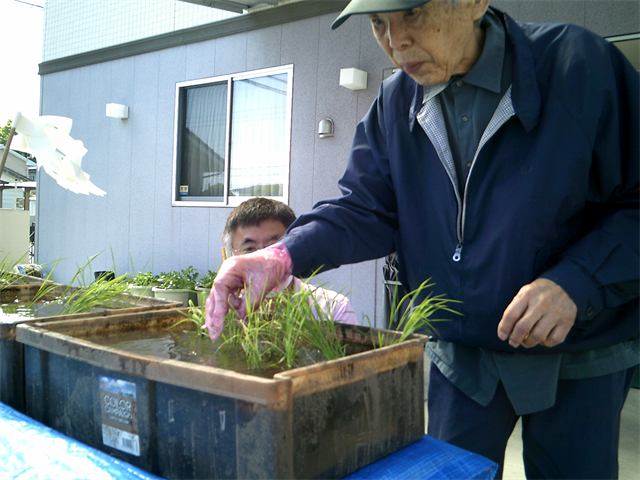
132	159
76	27
14	236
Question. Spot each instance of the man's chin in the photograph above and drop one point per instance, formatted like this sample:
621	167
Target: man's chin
429	79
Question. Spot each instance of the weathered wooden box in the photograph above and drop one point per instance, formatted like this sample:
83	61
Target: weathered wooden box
11	352
183	420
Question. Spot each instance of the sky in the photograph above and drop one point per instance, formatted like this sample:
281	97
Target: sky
21	25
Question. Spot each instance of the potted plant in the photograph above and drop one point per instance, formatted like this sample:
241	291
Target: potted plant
177	285
203	287
142	283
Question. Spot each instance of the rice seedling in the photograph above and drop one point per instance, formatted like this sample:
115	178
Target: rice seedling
287	330
413	313
101	293
194	314
6	272
12	273
290	329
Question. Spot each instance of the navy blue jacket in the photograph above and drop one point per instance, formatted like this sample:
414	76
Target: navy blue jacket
552	193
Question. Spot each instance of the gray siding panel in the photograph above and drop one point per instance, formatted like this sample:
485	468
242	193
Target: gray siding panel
230	56
300	47
613	17
201	59
569	11
264	48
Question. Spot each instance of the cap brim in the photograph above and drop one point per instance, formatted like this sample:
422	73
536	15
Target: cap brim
359	7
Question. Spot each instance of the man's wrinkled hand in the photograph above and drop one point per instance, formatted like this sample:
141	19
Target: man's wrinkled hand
542	313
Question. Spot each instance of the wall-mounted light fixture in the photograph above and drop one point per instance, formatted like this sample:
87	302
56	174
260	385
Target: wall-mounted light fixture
325	129
353	79
115	110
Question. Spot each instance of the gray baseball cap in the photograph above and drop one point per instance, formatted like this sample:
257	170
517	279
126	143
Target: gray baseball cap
356	7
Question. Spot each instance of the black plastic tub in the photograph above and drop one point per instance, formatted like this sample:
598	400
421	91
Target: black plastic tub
12	352
182	420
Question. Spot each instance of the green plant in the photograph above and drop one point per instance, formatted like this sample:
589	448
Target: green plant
10	274
7	277
207	280
289	329
194	314
283	332
145	279
99	294
184	279
414	313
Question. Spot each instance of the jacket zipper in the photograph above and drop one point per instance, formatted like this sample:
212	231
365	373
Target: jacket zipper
432	122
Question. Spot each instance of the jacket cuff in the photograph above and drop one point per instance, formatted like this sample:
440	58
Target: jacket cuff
585	292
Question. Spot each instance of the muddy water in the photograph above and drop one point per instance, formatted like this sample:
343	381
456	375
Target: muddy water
184	346
18	311
189	347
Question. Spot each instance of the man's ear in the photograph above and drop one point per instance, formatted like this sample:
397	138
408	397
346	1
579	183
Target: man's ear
479	8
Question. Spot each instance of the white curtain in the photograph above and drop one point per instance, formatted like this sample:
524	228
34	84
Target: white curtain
258	150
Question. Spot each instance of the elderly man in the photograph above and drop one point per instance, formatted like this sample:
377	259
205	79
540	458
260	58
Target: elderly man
502	162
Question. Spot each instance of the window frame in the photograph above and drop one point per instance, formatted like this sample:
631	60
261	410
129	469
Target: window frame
227	200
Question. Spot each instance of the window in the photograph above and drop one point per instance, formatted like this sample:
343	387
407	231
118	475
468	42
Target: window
232	138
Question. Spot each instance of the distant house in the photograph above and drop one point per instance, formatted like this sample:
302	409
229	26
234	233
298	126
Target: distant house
17	210
18	181
224	104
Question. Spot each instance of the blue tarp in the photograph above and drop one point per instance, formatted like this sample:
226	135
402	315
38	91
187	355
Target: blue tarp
30	450
429	458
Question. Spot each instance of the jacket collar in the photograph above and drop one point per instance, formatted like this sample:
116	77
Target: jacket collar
416	105
527	101
525	93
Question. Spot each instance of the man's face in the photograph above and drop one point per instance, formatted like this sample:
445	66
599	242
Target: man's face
434	41
250	239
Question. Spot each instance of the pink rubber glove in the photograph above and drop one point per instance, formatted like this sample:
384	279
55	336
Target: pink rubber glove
262	271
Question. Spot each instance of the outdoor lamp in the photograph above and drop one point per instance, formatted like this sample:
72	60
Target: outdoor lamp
325	129
353	79
115	110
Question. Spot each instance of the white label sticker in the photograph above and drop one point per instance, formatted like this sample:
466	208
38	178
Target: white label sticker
119	415
121	440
